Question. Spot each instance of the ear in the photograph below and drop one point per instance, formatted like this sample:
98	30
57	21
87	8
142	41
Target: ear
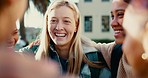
77	26
76	29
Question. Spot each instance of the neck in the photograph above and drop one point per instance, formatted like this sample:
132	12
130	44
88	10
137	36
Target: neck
63	51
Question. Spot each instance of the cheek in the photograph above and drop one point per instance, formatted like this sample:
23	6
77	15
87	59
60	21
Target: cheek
3	30
121	21
50	29
16	37
71	30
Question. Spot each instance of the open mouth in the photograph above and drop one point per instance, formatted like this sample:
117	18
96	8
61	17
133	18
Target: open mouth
118	31
60	35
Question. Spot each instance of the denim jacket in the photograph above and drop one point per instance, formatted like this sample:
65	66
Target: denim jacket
85	71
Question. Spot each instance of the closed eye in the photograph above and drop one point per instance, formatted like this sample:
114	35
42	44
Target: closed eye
15	32
120	15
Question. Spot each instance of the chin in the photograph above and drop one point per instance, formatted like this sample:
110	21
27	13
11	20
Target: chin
120	41
60	43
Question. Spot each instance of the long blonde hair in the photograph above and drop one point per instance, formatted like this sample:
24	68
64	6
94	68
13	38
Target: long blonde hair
76	55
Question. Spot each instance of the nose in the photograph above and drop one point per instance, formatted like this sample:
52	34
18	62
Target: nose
114	22
59	26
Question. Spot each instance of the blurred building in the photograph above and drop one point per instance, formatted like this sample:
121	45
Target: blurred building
96	18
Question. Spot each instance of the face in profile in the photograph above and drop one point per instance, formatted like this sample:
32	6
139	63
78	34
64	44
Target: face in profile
11	11
117	14
61	25
13	38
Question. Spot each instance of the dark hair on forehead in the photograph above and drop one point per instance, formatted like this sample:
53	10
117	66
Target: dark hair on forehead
3	3
127	1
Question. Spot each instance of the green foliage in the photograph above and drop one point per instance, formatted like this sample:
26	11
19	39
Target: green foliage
102	40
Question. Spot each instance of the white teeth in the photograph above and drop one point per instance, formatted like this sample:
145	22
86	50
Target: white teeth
118	31
60	35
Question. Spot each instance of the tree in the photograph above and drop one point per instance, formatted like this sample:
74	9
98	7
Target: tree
22	27
41	6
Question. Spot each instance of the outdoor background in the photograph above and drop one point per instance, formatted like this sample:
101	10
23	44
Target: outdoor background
95	20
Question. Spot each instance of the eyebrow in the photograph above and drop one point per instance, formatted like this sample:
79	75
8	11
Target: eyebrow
53	17
15	30
68	18
63	17
118	10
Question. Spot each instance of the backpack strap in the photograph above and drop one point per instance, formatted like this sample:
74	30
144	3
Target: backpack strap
115	59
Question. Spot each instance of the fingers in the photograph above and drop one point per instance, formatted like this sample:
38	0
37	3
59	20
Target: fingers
37	42
140	4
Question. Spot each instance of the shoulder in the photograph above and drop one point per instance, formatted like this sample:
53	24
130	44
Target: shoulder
93	54
89	49
96	56
105	45
105	48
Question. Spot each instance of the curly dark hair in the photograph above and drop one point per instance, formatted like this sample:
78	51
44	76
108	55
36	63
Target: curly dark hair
127	1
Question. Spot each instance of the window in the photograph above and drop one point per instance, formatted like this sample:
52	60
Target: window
88	0
88	24
105	24
105	0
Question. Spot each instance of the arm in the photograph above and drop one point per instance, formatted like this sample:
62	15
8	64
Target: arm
32	48
106	49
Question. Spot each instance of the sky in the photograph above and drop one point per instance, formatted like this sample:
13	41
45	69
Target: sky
33	18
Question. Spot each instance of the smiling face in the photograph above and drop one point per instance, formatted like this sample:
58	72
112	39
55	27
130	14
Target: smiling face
61	25
9	13
117	13
13	38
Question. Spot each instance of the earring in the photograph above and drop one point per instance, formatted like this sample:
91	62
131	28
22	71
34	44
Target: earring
75	31
145	56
